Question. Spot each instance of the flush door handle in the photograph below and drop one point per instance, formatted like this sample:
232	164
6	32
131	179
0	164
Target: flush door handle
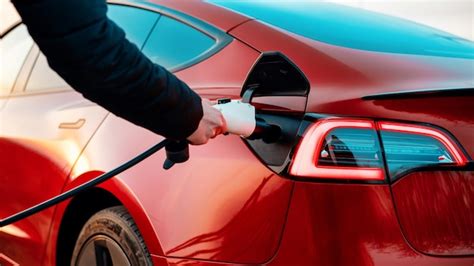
73	125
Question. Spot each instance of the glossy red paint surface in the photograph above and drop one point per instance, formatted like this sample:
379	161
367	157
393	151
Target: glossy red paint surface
197	210
343	224
219	17
334	69
200	209
36	158
340	77
225	206
252	195
214	82
124	195
19	192
165	261
454	114
436	211
4	260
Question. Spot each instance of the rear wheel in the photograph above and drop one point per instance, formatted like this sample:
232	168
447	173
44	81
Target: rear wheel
110	237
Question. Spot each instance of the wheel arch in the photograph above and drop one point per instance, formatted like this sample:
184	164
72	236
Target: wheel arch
70	216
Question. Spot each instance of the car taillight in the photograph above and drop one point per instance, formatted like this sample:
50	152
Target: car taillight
413	146
339	148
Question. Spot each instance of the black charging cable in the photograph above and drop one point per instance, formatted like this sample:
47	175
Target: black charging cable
176	152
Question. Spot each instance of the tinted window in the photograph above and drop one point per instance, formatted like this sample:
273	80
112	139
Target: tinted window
173	43
136	23
14	48
353	28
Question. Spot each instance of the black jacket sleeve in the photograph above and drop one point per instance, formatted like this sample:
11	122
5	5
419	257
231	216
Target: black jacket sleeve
91	53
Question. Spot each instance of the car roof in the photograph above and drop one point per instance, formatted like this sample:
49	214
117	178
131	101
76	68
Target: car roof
221	18
351	27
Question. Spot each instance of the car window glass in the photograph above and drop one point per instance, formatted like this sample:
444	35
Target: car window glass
14	48
173	43
136	23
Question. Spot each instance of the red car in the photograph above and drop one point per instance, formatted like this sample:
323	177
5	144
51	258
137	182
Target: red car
373	166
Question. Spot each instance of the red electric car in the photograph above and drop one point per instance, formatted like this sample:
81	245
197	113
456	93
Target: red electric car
373	165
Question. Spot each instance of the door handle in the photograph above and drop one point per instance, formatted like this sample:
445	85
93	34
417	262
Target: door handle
73	125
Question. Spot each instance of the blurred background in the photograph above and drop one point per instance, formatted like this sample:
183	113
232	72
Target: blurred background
454	16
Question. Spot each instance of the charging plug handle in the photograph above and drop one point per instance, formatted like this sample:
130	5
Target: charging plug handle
176	152
242	119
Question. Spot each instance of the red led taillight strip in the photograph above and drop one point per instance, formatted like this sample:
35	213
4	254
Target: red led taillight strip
307	154
458	156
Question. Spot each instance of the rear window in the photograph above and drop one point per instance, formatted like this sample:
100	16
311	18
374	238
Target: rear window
353	28
173	44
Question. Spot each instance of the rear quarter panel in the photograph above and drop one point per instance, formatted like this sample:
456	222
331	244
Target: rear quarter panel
340	77
221	205
348	224
436	211
342	224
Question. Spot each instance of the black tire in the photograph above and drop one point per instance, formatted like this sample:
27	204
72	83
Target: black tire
110	237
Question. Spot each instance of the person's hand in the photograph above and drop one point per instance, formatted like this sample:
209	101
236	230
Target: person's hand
211	125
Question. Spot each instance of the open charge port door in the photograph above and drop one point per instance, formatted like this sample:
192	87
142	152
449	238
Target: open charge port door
278	90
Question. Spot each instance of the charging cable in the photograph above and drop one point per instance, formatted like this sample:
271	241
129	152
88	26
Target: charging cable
91	183
241	120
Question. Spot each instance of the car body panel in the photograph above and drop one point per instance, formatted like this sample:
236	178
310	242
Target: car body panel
239	186
444	204
357	73
340	78
166	261
124	194
217	16
214	82
356	28
348	224
28	236
205	206
225	206
39	155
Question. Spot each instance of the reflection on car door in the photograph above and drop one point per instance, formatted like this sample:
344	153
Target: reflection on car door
45	126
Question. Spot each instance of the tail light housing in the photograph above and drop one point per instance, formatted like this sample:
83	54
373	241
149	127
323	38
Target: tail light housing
339	149
408	147
355	149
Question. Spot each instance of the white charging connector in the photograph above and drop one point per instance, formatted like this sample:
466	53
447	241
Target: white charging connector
239	116
242	120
